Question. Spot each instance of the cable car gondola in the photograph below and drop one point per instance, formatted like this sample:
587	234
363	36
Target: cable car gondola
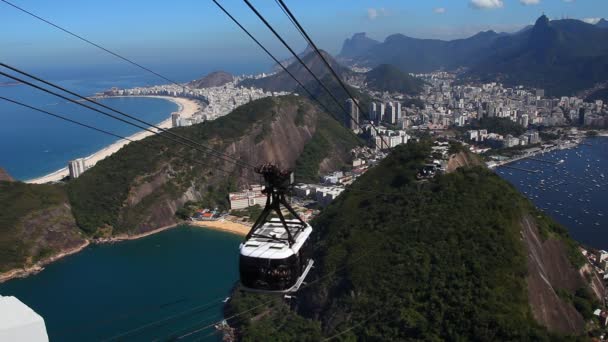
275	256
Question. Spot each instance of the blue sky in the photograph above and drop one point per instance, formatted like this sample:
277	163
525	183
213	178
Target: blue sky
195	32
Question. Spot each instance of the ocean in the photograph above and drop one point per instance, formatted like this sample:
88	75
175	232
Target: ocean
573	192
33	144
160	286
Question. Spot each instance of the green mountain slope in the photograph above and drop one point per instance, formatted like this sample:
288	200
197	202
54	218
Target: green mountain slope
35	223
440	260
389	78
140	187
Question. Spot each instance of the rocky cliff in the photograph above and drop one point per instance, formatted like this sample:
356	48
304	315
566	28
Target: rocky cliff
36	225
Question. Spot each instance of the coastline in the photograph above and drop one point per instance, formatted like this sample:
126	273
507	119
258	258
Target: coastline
224	226
39	266
556	147
186	108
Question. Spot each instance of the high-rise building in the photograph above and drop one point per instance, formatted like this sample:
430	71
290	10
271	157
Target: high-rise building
175	119
391	113
398	106
540	93
352	119
76	167
581	116
523	120
373	112
381	109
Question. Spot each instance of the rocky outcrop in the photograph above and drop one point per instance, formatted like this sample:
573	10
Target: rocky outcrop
549	273
214	79
462	159
4	176
39	238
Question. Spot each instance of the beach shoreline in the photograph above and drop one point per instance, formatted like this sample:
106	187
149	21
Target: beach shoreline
222	225
186	108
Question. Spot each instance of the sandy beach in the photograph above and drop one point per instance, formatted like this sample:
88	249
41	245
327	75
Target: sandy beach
186	109
223	225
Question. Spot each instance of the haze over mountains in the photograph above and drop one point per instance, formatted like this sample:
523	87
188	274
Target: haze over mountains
561	56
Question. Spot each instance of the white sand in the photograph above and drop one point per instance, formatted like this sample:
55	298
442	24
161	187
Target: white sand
186	109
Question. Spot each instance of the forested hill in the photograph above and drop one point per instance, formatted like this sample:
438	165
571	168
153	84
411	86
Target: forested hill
386	77
448	259
140	188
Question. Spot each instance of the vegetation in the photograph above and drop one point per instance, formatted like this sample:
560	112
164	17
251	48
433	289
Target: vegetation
386	77
18	200
329	136
122	193
98	197
404	260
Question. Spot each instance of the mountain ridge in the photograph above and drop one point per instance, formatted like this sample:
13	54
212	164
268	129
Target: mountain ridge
281	81
561	56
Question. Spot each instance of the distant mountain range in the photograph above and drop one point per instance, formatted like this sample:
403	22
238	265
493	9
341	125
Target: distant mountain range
561	56
281	81
417	55
382	78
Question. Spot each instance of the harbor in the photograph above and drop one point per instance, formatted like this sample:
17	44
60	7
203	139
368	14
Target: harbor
569	185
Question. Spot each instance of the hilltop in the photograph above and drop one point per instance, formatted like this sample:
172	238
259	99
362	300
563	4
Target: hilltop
389	78
214	79
358	44
461	257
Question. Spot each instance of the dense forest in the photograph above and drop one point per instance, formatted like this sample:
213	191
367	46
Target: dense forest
398	259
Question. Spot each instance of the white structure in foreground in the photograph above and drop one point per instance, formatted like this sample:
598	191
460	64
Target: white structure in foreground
20	323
